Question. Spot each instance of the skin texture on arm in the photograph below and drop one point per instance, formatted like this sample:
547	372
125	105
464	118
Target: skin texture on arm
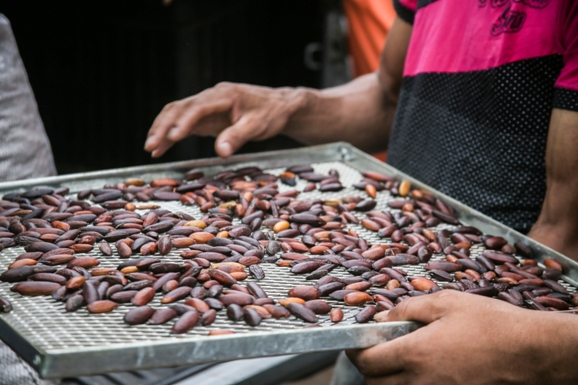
557	226
360	112
471	339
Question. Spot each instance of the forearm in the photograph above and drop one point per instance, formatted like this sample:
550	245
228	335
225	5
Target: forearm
557	226
360	113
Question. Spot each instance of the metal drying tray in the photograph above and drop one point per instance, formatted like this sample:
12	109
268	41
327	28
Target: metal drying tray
59	344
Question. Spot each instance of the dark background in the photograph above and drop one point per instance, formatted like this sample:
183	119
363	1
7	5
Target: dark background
102	70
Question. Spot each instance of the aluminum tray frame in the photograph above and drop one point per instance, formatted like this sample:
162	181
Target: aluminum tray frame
126	356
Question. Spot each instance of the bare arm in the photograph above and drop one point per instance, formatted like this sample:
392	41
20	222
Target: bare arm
360	112
557	226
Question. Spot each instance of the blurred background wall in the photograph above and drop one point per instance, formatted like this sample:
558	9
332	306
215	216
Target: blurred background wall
101	70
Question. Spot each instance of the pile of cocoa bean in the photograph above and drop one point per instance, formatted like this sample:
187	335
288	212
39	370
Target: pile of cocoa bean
245	222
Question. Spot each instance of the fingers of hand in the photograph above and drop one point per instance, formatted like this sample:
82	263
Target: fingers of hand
190	117
232	138
426	308
382	359
157	133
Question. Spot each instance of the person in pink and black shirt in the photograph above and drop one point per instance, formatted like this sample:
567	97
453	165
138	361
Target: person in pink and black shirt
479	84
479	99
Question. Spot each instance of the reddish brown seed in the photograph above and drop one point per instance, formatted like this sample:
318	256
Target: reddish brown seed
180	243
177	294
286	301
124	251
81	248
35	288
139	315
23	262
374	253
208	317
495	243
371	190
277	311
552	302
357	298
170	285
249	261
143	297
358	286
336	315
75	283
552	264
221	332
84	262
318	306
222	277
103	306
366	314
187	321
162	316
251	317
200	305
300	311
370	225
164	245
105	248
58	259
202	237
161	182
237	299
263	313
423	284
379	280
304	292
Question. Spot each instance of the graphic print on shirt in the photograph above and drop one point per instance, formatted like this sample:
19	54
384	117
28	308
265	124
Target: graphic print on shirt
511	21
534	3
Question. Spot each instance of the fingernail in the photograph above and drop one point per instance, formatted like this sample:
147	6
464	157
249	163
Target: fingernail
381	316
149	141
225	149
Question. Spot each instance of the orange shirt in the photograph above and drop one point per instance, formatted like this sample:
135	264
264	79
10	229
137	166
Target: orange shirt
369	22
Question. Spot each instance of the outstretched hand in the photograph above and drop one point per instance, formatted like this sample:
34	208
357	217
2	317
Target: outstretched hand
234	113
469	339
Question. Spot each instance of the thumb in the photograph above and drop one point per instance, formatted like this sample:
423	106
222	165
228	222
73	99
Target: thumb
236	135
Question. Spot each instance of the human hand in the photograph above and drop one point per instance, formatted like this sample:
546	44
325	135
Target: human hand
470	339
235	113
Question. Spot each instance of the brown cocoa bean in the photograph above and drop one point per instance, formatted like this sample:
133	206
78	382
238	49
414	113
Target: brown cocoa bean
103	306
35	288
366	314
300	311
357	298
162	316
304	292
187	321
175	295
139	315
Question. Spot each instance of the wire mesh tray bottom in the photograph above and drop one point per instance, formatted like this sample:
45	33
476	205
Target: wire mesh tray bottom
44	324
